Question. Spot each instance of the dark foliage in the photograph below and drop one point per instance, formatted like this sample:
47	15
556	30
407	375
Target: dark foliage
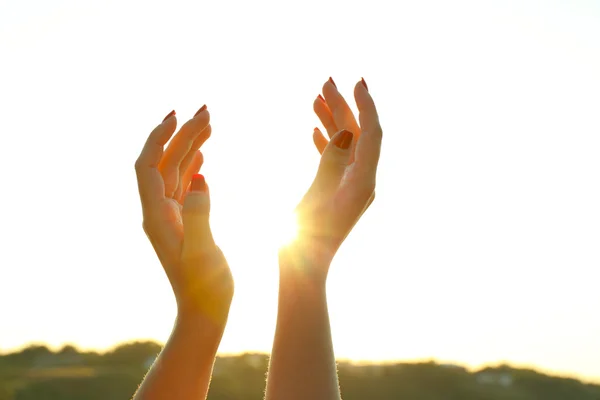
68	374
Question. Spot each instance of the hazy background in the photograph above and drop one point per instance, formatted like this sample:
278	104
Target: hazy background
483	244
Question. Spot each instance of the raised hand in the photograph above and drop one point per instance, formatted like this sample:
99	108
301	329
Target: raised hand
345	183
176	206
302	364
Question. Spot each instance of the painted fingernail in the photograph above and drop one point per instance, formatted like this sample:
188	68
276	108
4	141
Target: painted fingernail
198	183
200	110
321	98
362	80
169	115
343	140
332	82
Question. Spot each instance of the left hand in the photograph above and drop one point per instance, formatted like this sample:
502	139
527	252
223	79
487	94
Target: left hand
176	207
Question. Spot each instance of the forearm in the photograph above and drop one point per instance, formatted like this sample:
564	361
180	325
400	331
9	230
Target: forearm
183	368
302	362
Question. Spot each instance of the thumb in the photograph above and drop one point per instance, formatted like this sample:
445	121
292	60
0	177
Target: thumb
197	236
334	160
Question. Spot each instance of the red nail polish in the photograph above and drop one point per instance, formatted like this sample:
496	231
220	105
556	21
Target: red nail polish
343	140
362	80
332	82
322	99
169	115
200	110
198	183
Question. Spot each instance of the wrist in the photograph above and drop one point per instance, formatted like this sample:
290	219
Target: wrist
302	265
201	324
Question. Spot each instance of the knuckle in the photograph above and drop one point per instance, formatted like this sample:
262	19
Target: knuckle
138	165
145	227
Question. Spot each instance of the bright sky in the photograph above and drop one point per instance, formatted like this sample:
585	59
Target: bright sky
483	244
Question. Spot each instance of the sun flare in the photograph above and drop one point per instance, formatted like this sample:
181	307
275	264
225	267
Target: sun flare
285	228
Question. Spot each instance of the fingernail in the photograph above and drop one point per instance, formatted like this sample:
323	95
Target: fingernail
362	80
169	115
321	98
198	183
343	140
200	110
332	82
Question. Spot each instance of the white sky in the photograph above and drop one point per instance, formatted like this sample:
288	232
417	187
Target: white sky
483	244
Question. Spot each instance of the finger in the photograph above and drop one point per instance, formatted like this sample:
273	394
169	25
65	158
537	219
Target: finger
200	140
320	140
367	112
178	148
192	169
197	236
325	116
341	112
185	163
150	182
334	161
368	147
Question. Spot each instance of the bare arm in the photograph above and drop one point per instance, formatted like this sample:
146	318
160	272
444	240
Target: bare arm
176	206
302	362
184	367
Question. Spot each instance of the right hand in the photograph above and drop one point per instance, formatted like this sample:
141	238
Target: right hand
345	183
176	206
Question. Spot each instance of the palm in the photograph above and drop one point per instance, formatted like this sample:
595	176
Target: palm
333	216
171	207
165	217
171	210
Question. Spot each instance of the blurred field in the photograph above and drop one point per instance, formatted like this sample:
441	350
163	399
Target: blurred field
40	374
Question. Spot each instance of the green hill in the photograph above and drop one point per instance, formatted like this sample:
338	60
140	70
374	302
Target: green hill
38	373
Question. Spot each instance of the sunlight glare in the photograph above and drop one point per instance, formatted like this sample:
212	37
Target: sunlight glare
285	227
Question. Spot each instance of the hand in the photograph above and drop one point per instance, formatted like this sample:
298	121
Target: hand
176	205
335	115
345	183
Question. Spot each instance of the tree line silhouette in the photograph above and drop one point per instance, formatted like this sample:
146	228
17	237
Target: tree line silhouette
38	373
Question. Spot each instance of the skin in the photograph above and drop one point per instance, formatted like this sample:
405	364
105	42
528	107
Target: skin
176	207
302	364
